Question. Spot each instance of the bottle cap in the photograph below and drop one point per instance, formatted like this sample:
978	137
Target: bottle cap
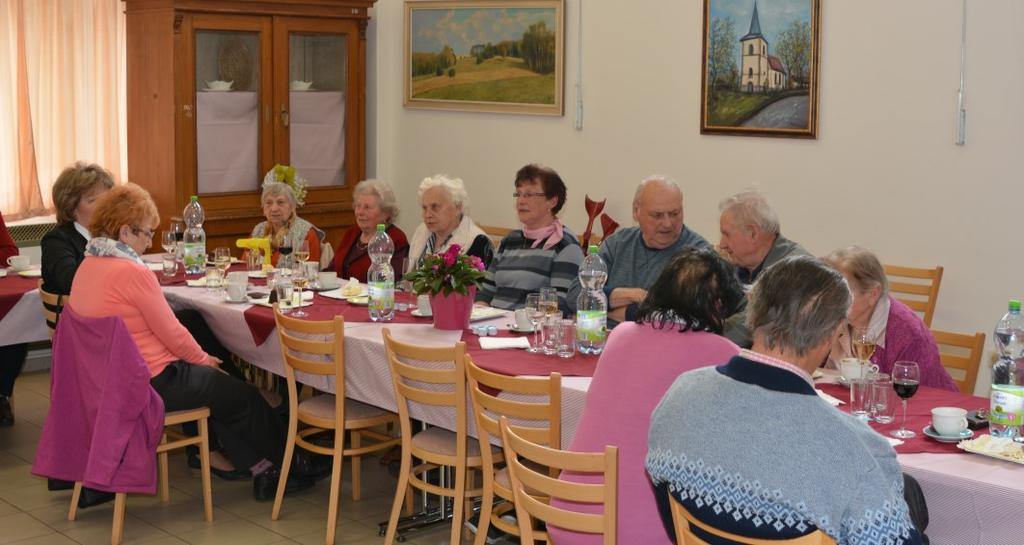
592	249
195	198
1015	305
381	227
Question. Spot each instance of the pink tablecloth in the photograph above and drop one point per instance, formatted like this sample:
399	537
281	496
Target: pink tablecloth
12	288
919	415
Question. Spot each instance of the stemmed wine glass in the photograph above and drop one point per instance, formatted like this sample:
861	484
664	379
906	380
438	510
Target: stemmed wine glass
286	250
863	345
168	241
222	260
300	278
178	229
302	252
536	311
905	378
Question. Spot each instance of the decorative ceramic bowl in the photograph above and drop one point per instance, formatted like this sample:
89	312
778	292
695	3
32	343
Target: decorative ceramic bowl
298	85
219	85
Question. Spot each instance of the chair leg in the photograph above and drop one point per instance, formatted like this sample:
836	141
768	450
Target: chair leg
357	466
286	464
403	490
204	463
161	462
75	494
459	496
336	473
408	501
486	504
118	531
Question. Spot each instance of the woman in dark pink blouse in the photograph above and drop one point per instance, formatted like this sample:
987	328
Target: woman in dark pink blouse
899	334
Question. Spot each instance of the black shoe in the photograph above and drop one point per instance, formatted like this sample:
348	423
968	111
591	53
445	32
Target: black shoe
493	534
314	466
56	484
90	497
264	485
226	474
6	413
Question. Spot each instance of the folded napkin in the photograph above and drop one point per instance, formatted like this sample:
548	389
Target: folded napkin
831	400
495	343
893	441
197	283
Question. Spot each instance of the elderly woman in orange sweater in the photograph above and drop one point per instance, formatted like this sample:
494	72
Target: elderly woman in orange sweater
113	280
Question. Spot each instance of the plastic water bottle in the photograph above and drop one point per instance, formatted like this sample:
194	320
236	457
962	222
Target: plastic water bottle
591	305
381	276
194	253
1007	411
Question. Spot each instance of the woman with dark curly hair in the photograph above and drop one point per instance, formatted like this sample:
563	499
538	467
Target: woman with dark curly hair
678	329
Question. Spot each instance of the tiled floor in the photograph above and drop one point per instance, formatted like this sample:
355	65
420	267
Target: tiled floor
31	515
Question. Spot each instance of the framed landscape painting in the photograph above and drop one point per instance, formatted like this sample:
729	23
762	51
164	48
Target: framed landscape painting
485	55
760	68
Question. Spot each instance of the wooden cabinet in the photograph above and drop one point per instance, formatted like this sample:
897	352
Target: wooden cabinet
219	91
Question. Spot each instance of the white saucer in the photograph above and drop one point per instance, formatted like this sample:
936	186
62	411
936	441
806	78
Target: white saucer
930	432
363	301
515	329
257	274
417	313
31	273
240	301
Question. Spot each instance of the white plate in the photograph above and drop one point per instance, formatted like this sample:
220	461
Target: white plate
31	273
930	432
419	314
485	313
211	90
360	301
257	274
233	302
1003	448
515	329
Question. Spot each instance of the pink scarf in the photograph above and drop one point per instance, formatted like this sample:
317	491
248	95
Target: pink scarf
553	234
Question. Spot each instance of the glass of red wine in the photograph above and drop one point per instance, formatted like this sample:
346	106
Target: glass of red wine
905	378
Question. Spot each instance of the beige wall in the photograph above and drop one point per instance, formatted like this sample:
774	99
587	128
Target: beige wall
883	173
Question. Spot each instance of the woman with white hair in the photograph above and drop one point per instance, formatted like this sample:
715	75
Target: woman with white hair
284	192
374	203
446	222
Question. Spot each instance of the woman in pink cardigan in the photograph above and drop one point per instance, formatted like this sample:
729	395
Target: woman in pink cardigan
898	332
677	329
113	280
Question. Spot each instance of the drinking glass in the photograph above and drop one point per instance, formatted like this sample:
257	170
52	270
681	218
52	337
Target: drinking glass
299	280
302	252
168	241
402	283
566	347
178	229
214	279
254	261
881	399
863	344
536	313
906	376
860	397
170	263
311	270
552	330
284	294
285	249
222	259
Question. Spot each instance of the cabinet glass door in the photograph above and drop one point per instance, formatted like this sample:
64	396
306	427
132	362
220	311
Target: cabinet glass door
227	86
317	85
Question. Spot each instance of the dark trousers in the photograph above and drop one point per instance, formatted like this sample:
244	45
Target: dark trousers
12	359
244	423
196	325
916	506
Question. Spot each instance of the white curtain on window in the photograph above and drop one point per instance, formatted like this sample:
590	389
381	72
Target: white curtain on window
62	74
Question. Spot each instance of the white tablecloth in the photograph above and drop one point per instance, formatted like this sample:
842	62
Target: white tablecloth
24	323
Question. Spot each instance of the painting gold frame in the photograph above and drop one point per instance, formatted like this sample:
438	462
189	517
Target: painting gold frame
470	90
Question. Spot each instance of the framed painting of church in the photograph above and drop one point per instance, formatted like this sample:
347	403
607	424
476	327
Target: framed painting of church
760	68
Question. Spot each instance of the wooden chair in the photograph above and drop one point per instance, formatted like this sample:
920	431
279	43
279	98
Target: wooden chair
324	342
966	366
527	482
53	303
436	377
682	519
496	233
544	418
177	440
916	288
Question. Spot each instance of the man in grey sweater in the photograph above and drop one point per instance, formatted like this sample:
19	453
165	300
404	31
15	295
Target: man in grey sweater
635	256
751	240
749	448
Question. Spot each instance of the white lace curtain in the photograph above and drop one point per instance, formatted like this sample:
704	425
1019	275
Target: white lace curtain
62	95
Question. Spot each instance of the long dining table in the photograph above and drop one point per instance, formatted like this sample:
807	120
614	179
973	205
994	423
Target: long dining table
971	499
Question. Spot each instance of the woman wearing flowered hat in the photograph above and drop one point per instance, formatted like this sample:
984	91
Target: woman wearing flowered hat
283	192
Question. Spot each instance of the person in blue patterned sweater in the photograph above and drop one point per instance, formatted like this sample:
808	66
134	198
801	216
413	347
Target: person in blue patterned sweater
748	447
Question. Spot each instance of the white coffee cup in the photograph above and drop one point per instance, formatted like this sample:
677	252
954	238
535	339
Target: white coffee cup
855	369
18	262
951	421
236	290
523	322
423	305
328	280
238	277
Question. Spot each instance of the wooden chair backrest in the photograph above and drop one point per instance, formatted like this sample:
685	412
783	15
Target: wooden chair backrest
539	421
529	507
53	303
496	233
430	376
965	356
682	519
916	288
304	340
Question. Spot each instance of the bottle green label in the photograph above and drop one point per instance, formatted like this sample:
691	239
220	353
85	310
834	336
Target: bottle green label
591	326
1007	405
382	295
194	254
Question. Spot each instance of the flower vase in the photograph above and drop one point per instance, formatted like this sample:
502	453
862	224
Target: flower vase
452	311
